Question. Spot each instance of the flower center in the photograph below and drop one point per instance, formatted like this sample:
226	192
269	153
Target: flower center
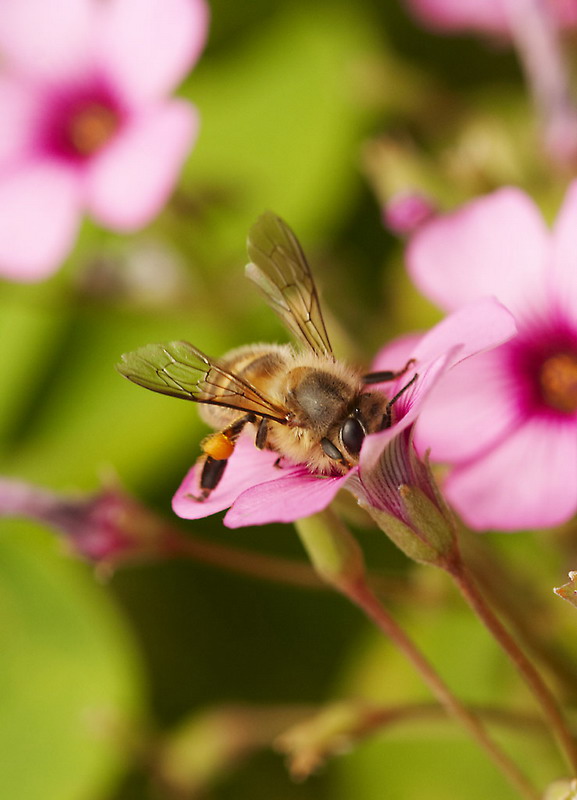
558	382
91	127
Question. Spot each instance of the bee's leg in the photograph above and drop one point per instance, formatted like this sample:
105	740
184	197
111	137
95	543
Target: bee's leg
212	472
387	416
218	448
261	434
387	375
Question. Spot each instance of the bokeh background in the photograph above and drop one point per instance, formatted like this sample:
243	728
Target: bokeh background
95	672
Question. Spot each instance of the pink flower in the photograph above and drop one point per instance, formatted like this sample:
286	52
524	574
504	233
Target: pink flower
87	124
485	16
105	528
406	211
506	420
258	492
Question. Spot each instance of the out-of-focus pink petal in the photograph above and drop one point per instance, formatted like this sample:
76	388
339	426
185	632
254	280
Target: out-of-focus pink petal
529	481
394	355
18	112
291	497
473	406
148	46
406	211
47	39
495	245
564	267
479	326
565	11
246	467
129	182
39	216
487	16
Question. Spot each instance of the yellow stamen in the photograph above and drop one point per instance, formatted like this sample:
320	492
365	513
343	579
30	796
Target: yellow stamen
558	381
218	446
91	127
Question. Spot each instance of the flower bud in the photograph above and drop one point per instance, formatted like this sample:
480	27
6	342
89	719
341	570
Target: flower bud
401	496
104	528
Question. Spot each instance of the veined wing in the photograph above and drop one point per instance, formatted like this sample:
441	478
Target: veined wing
280	270
180	370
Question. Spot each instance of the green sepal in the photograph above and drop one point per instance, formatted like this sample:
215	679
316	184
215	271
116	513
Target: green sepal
427	536
405	538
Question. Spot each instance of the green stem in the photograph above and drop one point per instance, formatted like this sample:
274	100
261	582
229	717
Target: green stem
338	559
244	562
513	598
532	678
363	597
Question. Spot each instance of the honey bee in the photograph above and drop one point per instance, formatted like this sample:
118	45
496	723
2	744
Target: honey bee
301	402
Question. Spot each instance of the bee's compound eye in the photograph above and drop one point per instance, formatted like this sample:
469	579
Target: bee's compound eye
352	435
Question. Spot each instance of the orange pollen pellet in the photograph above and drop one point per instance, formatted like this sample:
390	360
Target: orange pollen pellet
91	128
218	446
558	382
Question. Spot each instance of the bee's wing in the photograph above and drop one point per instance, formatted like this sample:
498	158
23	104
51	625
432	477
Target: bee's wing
280	270
180	370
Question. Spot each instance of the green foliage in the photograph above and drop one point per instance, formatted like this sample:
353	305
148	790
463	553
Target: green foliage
70	679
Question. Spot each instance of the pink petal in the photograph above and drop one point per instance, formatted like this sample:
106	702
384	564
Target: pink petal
479	326
286	499
473	406
394	355
39	216
529	481
130	181
247	467
148	46
564	272
566	12
487	16
18	110
47	40
495	245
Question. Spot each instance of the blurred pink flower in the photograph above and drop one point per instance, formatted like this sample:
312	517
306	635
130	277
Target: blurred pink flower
485	16
534	28
87	121
406	211
507	419
105	528
258	492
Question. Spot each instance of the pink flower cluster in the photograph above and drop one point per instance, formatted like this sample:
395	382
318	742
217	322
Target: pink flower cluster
505	420
87	121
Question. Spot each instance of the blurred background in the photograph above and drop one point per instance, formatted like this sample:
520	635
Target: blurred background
313	111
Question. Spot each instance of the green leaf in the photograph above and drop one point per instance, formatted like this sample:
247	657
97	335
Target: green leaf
70	684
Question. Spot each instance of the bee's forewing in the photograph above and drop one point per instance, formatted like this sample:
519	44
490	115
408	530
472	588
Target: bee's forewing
181	370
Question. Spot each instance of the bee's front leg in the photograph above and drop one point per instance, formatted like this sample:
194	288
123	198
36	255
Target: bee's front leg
386	375
387	420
